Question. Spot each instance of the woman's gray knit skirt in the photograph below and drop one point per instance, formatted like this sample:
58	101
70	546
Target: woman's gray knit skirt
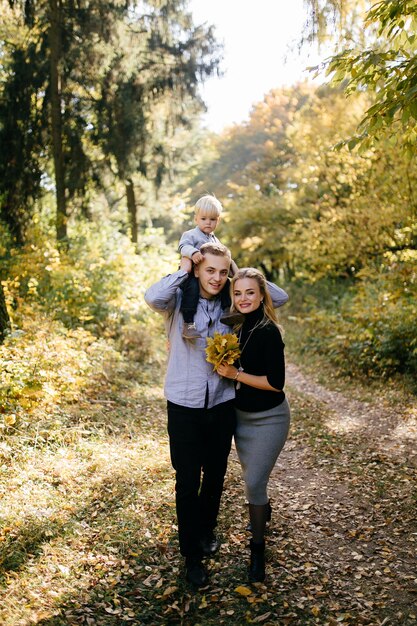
259	438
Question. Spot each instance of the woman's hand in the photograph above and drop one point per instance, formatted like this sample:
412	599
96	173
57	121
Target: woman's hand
228	371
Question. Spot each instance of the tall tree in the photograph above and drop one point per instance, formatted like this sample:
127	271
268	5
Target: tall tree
141	104
55	53
109	64
4	316
22	123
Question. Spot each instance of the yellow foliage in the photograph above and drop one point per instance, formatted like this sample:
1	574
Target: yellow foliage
244	591
222	349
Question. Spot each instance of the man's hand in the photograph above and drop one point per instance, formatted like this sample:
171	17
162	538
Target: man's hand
186	264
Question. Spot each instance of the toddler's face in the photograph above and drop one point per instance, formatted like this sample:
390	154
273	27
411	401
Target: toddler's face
207	224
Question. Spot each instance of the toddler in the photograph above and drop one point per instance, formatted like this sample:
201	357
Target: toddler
207	217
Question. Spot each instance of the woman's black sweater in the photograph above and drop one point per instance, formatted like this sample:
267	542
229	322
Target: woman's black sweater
262	355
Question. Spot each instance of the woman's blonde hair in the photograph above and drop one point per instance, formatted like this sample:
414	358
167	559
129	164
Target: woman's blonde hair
268	307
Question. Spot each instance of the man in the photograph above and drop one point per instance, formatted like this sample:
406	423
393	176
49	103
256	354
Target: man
201	416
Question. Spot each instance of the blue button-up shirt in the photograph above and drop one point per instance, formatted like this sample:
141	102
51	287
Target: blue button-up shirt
190	379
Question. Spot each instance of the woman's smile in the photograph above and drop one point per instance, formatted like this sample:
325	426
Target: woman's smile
247	295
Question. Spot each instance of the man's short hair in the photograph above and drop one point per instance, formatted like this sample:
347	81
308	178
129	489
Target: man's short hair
218	249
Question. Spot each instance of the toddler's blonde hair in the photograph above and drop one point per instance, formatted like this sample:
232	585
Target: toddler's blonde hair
210	205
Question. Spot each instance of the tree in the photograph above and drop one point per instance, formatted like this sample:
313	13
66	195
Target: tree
22	123
55	19
141	105
4	316
49	126
249	172
108	65
387	68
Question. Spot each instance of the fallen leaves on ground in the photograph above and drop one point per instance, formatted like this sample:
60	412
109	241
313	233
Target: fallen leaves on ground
89	533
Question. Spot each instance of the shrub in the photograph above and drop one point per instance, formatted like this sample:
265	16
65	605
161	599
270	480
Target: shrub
98	283
367	328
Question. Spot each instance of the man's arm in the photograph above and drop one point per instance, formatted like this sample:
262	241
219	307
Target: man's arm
278	295
161	296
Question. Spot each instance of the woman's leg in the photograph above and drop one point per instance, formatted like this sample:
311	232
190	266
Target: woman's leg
259	441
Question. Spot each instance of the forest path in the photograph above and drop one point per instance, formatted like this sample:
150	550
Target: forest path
344	501
392	429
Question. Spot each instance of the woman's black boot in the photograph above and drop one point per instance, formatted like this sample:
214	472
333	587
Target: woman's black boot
257	562
268	516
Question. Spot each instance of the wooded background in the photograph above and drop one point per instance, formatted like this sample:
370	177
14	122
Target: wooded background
103	156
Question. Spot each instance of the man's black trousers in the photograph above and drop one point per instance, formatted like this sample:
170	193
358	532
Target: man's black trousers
200	442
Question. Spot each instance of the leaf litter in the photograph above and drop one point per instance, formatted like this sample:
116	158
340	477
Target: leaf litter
89	533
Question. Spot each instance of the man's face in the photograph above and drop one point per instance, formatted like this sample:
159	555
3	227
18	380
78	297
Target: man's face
212	274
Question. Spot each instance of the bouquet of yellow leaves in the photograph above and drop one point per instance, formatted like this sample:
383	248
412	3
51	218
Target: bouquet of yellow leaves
222	349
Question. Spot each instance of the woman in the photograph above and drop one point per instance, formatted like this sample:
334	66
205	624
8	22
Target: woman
263	414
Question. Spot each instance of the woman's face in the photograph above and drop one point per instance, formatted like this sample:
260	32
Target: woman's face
247	295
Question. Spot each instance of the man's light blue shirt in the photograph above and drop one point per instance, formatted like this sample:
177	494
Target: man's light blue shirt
190	380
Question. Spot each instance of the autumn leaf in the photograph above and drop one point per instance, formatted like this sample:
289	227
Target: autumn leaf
244	591
261	618
10	419
222	349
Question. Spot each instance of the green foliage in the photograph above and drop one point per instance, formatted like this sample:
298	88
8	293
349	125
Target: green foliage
386	67
102	89
97	283
367	330
22	135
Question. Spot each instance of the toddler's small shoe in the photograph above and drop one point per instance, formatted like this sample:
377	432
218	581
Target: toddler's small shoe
230	319
189	331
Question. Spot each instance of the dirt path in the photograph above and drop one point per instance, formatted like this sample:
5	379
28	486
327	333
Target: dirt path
344	501
390	429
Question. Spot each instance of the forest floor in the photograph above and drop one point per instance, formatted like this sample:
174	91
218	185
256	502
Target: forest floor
89	535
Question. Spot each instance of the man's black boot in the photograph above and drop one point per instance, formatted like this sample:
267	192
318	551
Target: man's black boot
209	544
195	572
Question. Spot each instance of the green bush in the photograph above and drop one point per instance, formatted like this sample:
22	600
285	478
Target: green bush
97	283
369	327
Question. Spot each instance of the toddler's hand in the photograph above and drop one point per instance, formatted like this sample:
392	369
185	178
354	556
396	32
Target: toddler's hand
197	257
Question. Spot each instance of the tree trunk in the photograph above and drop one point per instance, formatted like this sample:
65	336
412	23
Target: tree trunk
131	209
4	316
55	41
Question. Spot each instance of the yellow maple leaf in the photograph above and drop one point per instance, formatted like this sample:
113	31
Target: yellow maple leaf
244	591
222	349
